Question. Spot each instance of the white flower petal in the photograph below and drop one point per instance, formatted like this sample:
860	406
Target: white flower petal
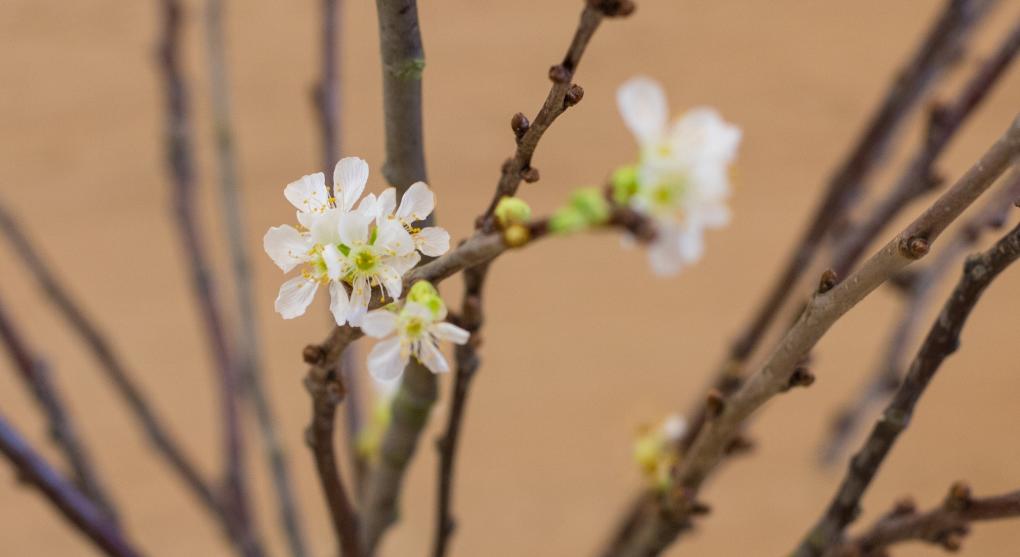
353	227
393	238
701	135
432	358
379	323
416	310
642	103
324	227
339	304
450	333
334	262
286	246
404	263
432	241
665	255
309	193
386	361
349	179
417	203
674	427
391	281
295	296
361	295
387	203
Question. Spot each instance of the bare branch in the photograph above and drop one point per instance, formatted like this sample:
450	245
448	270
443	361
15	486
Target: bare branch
110	363
325	384
181	165
945	525
662	526
943	340
887	375
76	507
36	374
920	178
246	334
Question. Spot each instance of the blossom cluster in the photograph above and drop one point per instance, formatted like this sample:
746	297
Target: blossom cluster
349	243
681	178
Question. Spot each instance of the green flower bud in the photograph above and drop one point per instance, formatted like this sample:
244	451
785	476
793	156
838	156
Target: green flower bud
422	292
590	203
625	184
567	221
512	210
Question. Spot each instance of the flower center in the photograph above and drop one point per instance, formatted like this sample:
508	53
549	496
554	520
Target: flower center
414	327
365	260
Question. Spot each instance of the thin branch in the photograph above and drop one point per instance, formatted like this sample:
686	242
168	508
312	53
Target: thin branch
325	385
919	178
943	340
246	335
403	62
888	374
467	363
562	95
658	530
945	525
36	374
941	47
75	506
181	165
110	363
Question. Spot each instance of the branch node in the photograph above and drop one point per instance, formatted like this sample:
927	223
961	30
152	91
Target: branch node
915	247
560	74
715	403
904	507
313	355
614	8
801	377
739	445
519	123
958	498
573	96
827	281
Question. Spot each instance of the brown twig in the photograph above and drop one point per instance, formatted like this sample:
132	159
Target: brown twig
36	374
467	363
943	340
945	525
324	382
941	47
181	166
403	62
562	95
88	518
658	530
919	177
887	375
246	330
110	363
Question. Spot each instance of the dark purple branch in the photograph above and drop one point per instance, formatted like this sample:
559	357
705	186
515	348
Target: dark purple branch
89	519
943	340
918	290
324	382
181	166
109	361
919	178
944	526
246	334
36	375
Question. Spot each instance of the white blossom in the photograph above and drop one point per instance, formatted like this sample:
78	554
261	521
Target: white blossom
416	205
413	329
682	175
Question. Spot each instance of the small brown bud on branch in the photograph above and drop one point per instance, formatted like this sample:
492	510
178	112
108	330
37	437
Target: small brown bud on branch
560	74
959	497
915	247
520	124
827	281
530	175
715	403
313	354
574	95
613	8
802	377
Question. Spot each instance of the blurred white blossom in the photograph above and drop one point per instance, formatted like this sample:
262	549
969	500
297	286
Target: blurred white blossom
681	179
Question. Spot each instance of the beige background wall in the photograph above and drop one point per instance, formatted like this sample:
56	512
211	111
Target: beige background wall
583	342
